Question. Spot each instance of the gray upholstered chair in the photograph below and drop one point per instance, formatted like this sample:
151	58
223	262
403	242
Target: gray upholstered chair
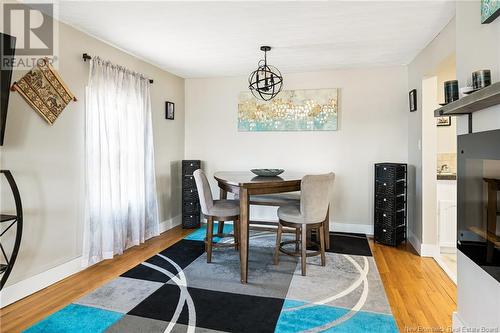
216	210
311	213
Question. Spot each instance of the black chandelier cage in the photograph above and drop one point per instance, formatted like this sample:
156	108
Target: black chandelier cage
265	82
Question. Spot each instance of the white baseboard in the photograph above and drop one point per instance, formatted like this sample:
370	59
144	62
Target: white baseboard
448	244
429	250
40	281
169	224
424	250
335	226
451	274
448	249
366	229
414	241
456	322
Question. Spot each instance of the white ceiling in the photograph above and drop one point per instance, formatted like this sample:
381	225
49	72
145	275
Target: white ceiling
206	39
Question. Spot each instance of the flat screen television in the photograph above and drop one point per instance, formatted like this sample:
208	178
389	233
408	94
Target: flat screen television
478	199
7	49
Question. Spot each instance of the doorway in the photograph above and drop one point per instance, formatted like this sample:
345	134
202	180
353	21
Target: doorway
439	186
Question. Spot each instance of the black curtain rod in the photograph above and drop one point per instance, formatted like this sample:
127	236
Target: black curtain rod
86	57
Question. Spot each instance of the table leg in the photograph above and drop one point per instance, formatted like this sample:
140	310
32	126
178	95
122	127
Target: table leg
244	217
220	224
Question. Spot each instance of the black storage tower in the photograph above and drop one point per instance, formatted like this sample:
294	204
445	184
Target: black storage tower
391	203
190	201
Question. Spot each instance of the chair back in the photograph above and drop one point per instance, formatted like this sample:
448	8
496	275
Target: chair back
204	191
315	195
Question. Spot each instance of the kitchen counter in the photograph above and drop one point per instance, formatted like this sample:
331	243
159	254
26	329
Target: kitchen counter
447	176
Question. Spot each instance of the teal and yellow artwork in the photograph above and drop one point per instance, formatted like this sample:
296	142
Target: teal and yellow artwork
291	110
490	10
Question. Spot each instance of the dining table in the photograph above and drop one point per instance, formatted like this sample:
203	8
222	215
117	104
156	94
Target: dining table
244	184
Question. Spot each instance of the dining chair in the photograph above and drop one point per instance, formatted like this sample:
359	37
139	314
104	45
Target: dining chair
216	210
310	213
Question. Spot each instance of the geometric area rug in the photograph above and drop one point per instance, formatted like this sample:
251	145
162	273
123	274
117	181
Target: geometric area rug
177	291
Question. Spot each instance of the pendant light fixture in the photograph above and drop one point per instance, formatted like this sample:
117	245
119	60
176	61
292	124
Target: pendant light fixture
265	82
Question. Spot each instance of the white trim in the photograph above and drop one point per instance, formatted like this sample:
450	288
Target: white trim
424	250
452	249
456	322
366	229
31	285
451	274
429	250
37	282
449	245
170	223
415	242
356	228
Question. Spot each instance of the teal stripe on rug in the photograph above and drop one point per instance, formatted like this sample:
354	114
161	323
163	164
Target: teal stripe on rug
77	319
199	234
309	318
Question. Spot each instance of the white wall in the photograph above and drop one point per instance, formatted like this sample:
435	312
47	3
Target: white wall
446	135
47	161
478	47
373	115
429	165
424	65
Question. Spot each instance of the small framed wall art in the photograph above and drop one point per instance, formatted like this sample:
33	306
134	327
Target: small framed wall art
444	121
169	110
413	100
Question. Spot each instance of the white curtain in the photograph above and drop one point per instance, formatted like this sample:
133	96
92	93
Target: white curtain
121	205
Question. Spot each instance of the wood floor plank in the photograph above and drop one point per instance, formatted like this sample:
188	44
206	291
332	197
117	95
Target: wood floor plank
24	313
420	294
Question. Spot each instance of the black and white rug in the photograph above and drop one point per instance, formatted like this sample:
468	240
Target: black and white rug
177	291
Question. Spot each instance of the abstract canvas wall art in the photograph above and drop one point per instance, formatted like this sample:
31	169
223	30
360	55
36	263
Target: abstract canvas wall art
291	110
490	10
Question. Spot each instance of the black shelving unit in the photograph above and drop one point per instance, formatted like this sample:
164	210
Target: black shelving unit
10	220
190	201
391	203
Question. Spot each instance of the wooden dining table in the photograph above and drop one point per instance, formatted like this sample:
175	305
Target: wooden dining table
245	184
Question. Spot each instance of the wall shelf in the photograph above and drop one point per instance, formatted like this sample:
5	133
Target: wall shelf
476	101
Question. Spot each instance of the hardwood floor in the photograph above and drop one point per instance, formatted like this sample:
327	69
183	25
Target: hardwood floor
420	293
24	313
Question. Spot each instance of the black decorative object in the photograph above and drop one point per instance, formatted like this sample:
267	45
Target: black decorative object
86	57
190	201
265	82
390	203
481	79
11	220
450	91
413	100
169	110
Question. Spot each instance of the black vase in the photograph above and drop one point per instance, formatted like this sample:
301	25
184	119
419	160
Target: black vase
481	79
450	91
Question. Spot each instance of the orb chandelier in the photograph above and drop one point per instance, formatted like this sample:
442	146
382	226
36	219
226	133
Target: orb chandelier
265	82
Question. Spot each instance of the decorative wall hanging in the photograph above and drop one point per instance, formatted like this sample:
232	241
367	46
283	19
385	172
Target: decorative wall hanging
169	110
412	95
266	81
45	91
444	121
490	10
293	110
